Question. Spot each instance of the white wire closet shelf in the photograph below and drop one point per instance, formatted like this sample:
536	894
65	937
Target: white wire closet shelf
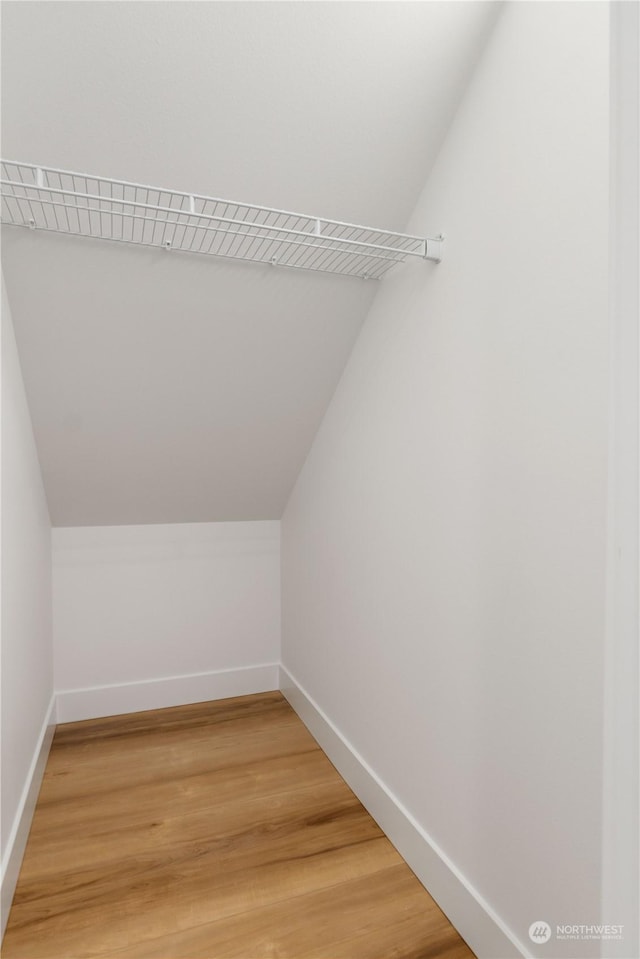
82	204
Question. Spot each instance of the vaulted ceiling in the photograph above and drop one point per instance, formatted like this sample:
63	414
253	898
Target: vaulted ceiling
177	388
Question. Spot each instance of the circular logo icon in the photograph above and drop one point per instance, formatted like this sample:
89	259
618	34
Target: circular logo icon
540	931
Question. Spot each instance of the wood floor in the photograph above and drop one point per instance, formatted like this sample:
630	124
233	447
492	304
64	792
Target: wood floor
212	831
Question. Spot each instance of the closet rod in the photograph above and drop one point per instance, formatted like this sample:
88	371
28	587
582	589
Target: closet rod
83	204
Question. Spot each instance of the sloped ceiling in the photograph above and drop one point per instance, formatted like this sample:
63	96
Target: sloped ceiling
175	388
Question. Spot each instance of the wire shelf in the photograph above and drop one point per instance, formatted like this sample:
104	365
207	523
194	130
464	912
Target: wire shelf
81	204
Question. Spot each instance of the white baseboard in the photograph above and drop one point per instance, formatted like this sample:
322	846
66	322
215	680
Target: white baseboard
484	931
17	841
97	701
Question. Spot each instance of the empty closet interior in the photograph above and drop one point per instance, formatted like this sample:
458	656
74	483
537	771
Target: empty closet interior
306	411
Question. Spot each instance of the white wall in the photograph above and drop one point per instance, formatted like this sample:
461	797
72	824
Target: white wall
150	616
621	792
444	548
27	672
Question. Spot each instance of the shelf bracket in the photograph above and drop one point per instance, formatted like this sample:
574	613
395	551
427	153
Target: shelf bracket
433	248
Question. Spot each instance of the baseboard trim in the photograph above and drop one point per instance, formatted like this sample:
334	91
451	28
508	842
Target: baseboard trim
113	700
484	931
17	841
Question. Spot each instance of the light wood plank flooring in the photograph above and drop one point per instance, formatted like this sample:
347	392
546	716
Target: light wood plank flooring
212	831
